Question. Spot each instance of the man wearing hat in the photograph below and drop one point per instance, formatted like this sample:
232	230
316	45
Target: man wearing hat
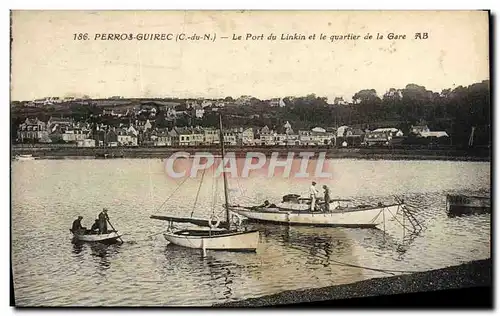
103	221
77	227
313	193
327	198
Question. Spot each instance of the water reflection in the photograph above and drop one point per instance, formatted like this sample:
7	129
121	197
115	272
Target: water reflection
46	265
101	253
221	277
77	247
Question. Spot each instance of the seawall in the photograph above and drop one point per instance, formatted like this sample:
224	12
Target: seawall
64	152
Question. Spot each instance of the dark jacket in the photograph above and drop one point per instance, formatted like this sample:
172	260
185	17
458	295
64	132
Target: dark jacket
327	195
95	226
103	216
77	225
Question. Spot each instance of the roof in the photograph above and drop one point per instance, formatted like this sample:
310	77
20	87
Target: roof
385	129
434	134
420	126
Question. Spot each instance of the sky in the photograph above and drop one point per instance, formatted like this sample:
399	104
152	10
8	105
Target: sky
47	61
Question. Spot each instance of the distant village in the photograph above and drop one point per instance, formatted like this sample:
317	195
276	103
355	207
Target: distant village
135	124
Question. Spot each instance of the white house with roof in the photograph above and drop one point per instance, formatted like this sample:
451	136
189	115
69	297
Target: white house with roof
126	137
211	136
191	137
132	130
276	102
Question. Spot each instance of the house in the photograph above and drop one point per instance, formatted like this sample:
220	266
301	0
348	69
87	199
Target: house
436	134
191	104
111	137
118	112
340	101
280	139
191	137
198	111
161	137
354	137
108	112
265	137
47	101
229	138
276	102
74	135
211	136
63	122
383	137
32	130
86	143
126	138
173	134
132	130
170	113
316	136
394	132
374	138
247	137
206	103
342	131
146	138
141	126
288	128
418	129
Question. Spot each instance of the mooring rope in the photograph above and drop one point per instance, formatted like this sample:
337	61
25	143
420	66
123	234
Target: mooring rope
374	269
198	193
173	192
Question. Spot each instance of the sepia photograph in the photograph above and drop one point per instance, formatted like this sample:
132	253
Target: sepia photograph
250	158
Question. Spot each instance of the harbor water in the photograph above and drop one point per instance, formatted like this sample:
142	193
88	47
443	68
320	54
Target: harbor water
50	270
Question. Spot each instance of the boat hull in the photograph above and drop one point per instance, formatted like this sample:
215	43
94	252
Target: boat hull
24	158
354	218
458	205
233	241
103	238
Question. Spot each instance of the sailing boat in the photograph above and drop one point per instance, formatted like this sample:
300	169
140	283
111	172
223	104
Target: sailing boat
215	238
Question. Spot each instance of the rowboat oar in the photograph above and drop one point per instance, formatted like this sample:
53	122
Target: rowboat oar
107	219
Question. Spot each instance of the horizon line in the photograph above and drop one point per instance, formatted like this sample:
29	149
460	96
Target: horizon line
110	97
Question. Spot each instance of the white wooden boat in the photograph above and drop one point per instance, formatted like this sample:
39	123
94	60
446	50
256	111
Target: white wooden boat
298	213
214	238
24	157
110	237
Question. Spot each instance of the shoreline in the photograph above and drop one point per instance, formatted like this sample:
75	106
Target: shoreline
473	274
67	152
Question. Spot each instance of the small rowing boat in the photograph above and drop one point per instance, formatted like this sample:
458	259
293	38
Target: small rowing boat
110	237
24	157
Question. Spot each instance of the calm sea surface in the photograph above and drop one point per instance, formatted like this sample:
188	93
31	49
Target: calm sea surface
49	270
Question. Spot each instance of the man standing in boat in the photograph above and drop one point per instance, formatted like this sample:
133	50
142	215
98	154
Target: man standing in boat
327	198
103	221
313	193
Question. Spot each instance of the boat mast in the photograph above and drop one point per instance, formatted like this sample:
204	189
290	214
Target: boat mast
228	225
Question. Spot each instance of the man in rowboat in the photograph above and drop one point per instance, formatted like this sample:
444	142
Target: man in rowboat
103	221
77	227
95	227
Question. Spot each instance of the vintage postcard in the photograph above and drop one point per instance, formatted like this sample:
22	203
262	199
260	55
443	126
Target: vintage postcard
250	158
